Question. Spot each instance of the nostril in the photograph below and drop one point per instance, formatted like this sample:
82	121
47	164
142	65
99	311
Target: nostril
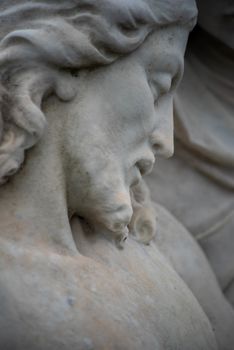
162	140
164	148
157	148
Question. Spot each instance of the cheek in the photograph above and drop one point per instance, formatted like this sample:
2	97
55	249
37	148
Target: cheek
131	106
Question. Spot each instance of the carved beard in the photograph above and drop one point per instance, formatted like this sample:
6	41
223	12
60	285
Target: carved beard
98	193
111	207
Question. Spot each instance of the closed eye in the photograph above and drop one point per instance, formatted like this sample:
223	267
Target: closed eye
167	79
163	82
161	85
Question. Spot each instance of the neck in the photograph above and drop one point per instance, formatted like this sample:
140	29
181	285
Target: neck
33	208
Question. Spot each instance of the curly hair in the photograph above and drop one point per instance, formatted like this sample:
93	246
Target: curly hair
43	42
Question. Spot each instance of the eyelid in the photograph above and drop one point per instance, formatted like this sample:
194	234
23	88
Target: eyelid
164	83
161	84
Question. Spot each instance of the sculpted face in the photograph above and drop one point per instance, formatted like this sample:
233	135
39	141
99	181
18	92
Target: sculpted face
217	18
120	120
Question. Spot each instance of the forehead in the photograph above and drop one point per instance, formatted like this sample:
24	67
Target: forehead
163	49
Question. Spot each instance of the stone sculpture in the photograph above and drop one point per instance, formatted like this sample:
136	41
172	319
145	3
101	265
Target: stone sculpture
49	53
86	90
196	185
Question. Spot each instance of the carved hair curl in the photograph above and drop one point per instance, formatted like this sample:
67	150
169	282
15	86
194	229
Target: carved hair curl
43	41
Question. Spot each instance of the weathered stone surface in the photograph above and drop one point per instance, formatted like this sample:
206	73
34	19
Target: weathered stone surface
197	185
100	298
87	90
198	181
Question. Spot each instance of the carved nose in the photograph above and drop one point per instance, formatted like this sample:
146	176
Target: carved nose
163	142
